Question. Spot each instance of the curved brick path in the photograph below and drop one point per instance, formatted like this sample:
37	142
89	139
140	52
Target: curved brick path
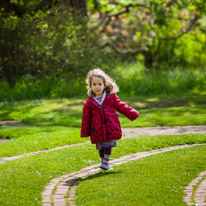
7	159
128	132
198	196
61	191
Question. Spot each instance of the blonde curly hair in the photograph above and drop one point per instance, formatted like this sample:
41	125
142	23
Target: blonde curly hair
108	81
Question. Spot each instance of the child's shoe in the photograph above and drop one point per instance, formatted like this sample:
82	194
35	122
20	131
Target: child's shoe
104	166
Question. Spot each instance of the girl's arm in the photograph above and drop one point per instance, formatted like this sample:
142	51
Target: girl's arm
86	121
124	109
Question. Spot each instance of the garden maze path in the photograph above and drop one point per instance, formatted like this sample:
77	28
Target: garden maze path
127	133
61	191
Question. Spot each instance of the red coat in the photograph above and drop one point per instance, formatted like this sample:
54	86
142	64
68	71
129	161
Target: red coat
100	122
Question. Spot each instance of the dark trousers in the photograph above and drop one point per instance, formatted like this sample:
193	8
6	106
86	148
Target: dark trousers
104	151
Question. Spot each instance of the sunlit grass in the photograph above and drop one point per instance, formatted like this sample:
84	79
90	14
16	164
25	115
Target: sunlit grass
133	80
30	139
171	116
155	180
57	122
63	112
22	181
68	112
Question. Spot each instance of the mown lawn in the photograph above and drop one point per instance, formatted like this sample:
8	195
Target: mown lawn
53	123
35	138
22	181
188	110
156	180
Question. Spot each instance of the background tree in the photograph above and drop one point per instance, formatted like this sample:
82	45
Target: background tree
148	28
63	39
45	37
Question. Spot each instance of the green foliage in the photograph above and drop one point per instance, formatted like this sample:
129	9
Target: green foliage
135	81
155	29
132	78
47	52
49	43
29	88
189	50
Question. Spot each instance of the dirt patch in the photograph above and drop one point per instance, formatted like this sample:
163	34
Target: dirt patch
4	140
12	124
156	131
171	103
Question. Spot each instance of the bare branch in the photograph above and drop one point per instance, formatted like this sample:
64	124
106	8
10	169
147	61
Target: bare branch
105	20
122	51
118	14
129	5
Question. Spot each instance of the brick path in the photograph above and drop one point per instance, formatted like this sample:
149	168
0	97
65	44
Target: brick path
129	132
7	159
197	196
61	191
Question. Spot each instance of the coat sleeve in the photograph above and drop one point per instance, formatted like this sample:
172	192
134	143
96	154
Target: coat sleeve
124	109
86	121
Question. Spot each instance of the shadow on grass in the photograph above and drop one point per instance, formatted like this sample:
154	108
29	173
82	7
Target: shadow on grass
68	112
168	101
64	113
101	174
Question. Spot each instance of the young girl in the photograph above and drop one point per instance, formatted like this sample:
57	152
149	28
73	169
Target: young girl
99	120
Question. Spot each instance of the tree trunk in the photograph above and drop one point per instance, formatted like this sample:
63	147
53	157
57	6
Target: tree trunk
5	4
148	59
77	5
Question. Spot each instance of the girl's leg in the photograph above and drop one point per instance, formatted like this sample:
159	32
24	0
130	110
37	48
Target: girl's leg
107	153
101	154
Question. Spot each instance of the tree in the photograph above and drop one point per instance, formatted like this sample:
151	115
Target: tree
20	9
144	27
60	37
40	37
77	5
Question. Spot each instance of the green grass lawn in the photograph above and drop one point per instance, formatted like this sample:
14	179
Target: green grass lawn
63	112
68	112
22	181
156	180
35	138
57	122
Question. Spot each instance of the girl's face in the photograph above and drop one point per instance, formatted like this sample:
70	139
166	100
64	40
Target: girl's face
97	86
